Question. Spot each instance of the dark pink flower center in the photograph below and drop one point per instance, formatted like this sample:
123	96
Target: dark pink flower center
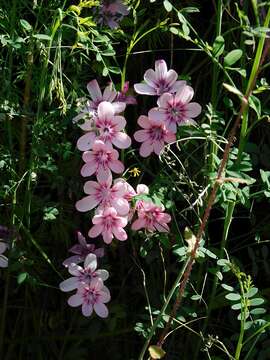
156	133
176	112
90	296
103	157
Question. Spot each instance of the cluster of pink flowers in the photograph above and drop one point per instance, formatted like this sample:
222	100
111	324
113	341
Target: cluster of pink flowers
91	293
114	202
174	108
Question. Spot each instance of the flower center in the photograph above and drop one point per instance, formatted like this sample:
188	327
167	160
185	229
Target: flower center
156	133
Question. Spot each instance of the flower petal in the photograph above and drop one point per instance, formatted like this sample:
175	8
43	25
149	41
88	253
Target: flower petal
69	284
95	231
146	149
86	141
101	310
144	89
144	122
121	140
94	90
193	109
184	94
161	69
141	135
75	300
87	309
150	78
116	166
87	203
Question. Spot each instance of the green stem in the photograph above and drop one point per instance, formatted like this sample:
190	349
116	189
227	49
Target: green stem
162	311
243	321
213	147
254	71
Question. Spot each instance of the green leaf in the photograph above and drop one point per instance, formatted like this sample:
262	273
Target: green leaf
22	277
25	24
232	89
258	311
256	301
236	306
50	213
190	9
168	6
233	296
232	57
227	287
218	46
105	71
42	37
174	30
255	104
251	292
114	69
196	297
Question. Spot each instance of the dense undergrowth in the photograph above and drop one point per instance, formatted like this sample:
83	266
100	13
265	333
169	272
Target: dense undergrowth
193	281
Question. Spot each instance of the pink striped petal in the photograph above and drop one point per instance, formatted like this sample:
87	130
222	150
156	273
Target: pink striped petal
193	109
107	237
150	78
91	187
105	110
158	146
69	284
141	135
95	231
119	233
75	300
85	142
88	169
94	90
144	89
121	140
184	95
144	122
119	122
87	309
161	69
101	310
87	203
138	224
116	166
146	149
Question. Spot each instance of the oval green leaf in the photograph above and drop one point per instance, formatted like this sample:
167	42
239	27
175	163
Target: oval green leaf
232	57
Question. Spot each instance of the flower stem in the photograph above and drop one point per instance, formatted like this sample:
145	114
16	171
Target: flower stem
162	311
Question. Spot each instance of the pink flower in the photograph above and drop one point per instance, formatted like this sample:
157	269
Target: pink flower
159	81
107	128
82	250
3	259
101	161
104	195
123	97
109	224
153	137
111	12
83	275
176	109
151	217
92	297
129	191
108	95
89	111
